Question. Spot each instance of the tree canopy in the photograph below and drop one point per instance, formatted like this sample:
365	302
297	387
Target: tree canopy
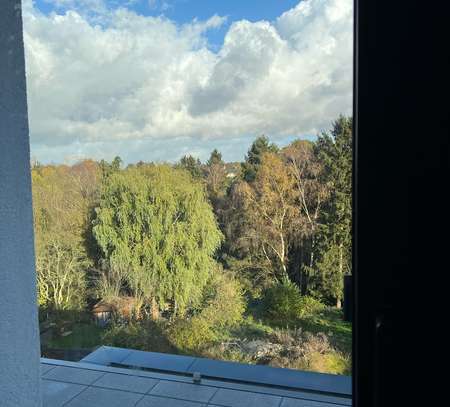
253	158
156	226
334	150
156	232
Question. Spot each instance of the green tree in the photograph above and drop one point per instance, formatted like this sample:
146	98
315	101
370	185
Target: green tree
62	197
107	168
191	164
253	158
156	226
215	158
216	179
335	154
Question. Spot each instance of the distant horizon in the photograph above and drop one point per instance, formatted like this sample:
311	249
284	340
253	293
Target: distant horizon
75	160
156	80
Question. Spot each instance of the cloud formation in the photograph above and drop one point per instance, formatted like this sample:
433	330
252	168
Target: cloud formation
103	82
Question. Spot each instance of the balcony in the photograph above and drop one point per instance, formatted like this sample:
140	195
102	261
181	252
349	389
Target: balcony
122	377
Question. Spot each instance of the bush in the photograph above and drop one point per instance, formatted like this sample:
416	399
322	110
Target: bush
192	335
307	351
224	303
310	306
283	301
223	307
147	336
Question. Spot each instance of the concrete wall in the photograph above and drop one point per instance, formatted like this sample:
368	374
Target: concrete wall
19	337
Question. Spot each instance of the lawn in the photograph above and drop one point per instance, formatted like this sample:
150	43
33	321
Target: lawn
255	340
83	336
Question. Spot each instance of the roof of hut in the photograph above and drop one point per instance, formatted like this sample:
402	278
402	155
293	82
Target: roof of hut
102	306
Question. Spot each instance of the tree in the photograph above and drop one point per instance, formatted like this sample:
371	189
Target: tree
156	226
191	164
253	158
215	173
215	158
306	169
271	212
107	168
335	154
61	275
61	199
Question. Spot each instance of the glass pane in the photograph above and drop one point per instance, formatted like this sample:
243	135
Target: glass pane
192	165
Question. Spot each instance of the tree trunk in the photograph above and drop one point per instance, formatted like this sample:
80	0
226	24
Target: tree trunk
311	257
154	309
299	259
341	269
311	263
282	256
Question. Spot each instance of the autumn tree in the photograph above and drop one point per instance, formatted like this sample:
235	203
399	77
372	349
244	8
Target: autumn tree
271	211
306	170
216	181
215	174
253	159
154	224
61	199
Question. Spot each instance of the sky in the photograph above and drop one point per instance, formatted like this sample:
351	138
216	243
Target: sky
154	80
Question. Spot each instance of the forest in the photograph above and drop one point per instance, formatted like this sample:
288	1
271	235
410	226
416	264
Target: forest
240	261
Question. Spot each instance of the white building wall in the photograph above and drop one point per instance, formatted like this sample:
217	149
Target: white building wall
19	333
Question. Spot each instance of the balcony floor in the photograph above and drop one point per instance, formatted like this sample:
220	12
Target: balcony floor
85	384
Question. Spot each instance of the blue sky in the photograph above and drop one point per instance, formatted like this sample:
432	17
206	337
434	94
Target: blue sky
155	79
184	11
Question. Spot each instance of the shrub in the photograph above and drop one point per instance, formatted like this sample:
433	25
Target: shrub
146	336
223	307
307	351
191	335
108	282
223	351
283	301
224	303
333	362
310	306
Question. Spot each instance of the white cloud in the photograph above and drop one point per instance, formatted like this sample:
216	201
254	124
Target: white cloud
148	82
161	5
93	6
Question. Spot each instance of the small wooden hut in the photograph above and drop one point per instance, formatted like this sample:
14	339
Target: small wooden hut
102	313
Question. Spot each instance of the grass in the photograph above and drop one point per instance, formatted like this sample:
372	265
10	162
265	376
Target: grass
331	323
335	359
150	336
83	336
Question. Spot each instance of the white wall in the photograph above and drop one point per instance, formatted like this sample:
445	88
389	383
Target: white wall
19	334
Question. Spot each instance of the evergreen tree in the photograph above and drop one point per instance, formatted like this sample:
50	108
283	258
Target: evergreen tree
335	153
215	158
191	164
215	176
253	158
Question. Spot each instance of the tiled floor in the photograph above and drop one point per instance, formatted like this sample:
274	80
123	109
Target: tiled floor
221	370
81	385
